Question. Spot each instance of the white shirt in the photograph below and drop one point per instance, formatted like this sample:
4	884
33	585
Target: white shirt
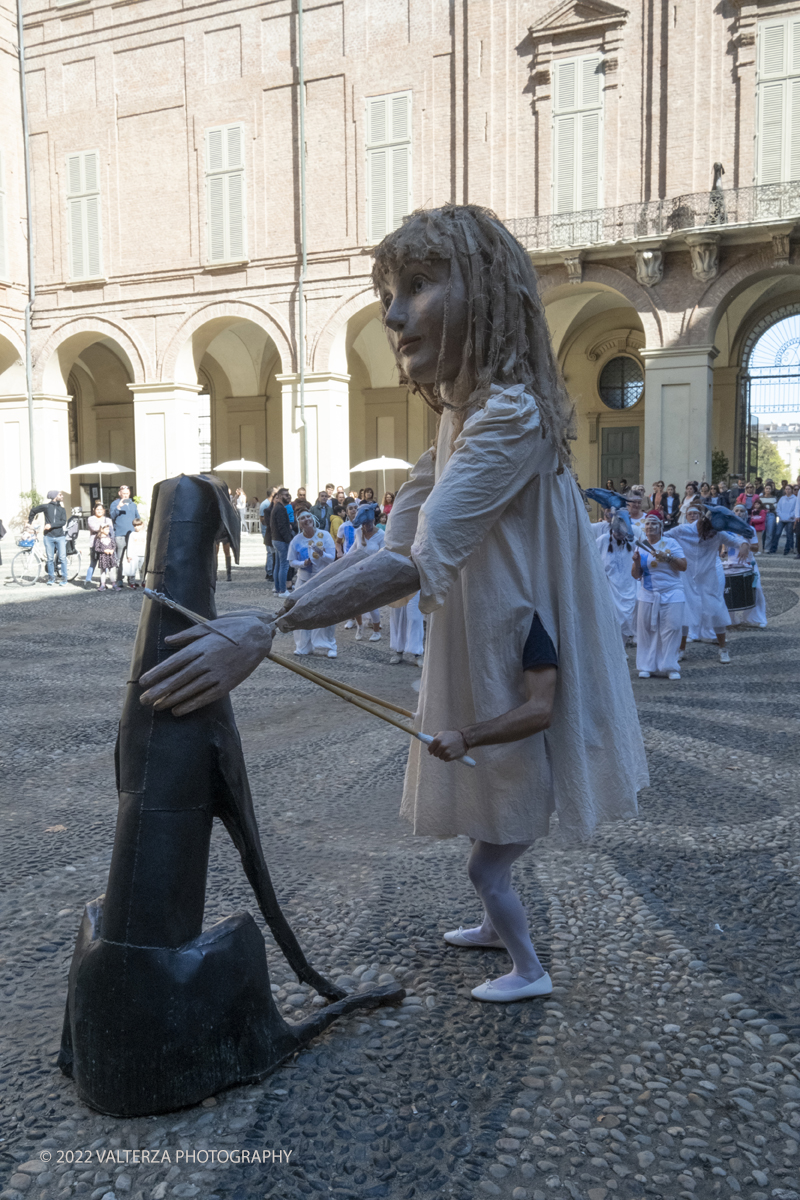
662	579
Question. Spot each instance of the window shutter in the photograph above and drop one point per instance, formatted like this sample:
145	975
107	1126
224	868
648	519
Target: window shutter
84	232
236	214
400	204
771	133
577	134
76	240
773	49
214	157
74	175
225	194
795	64
590	160
377	194
566	95
388	190
590	83
376	121
564	168
794	141
216	218
92	207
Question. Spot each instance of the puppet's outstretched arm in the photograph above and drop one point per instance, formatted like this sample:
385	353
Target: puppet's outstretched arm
375	580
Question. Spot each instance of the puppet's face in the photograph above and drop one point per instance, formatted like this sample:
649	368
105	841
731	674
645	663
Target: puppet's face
413	300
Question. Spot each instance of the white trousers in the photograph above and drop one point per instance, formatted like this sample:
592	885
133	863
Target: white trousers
306	640
657	649
406	628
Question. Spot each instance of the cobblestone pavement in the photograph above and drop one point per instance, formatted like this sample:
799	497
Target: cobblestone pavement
666	1063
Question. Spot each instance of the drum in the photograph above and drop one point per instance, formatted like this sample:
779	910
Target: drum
739	590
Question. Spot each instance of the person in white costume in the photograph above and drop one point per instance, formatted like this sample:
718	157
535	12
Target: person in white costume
616	553
406	633
706	615
311	551
757	615
660	600
464	319
368	537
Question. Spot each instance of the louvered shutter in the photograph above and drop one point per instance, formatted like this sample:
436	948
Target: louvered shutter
564	167
378	172
388	135
589	160
225	194
577	134
84	215
778	107
3	239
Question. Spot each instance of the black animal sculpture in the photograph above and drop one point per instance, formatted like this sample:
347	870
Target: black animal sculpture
161	1014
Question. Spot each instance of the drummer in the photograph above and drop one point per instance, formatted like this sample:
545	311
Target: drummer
660	601
757	615
706	617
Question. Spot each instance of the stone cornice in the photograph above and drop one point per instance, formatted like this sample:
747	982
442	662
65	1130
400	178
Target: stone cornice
577	16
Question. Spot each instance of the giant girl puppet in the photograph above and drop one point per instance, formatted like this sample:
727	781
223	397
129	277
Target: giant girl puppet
525	666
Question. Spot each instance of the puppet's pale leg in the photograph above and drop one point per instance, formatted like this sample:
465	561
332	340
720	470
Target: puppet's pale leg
489	870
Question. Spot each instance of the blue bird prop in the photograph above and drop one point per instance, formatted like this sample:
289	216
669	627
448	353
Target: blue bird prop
725	521
606	498
622	518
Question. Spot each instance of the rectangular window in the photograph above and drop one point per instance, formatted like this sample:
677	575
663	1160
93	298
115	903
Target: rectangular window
225	194
388	132
778	101
3	233
577	134
83	215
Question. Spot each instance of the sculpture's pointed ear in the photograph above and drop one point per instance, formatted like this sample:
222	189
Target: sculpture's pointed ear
229	517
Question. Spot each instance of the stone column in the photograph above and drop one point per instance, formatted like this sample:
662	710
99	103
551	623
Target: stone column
51	441
678	414
166	432
327	429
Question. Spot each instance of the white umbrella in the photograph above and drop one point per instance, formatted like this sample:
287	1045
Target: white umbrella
241	465
382	464
101	468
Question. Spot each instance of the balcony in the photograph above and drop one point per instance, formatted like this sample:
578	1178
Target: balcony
698	212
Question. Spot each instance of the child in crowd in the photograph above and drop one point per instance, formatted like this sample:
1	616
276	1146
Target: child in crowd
105	549
134	554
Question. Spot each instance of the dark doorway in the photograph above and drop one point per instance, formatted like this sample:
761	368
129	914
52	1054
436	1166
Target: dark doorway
620	453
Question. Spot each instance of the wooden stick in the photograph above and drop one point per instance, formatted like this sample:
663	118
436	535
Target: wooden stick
351	698
318	677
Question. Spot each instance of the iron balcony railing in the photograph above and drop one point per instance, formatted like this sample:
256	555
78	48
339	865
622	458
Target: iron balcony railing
658	218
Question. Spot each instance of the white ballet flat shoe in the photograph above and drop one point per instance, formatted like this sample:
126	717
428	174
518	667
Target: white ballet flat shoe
681	655
495	995
456	938
674	675
644	674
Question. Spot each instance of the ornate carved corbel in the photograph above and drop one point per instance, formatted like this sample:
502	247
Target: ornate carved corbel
649	267
705	256
574	265
781	248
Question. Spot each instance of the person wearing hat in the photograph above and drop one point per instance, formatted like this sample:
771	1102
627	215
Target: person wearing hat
55	518
705	614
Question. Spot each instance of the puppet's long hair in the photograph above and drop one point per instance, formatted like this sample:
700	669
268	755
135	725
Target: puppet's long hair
507	341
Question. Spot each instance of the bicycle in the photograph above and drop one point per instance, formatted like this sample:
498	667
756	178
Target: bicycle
27	566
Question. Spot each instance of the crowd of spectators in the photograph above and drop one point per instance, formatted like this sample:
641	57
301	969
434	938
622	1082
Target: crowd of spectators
773	510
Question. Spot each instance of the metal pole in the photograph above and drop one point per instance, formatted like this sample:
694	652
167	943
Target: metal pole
29	211
301	323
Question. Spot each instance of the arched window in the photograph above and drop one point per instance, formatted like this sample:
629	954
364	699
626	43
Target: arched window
621	382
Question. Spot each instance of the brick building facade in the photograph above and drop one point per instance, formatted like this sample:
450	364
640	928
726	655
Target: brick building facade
164	148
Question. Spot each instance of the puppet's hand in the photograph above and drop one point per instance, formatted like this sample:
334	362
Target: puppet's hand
209	666
448	745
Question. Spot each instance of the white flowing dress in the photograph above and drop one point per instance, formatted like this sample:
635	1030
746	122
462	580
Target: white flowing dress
704	581
617	563
306	640
523	544
406	627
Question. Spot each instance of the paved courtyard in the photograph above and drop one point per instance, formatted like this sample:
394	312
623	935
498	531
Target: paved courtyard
666	1063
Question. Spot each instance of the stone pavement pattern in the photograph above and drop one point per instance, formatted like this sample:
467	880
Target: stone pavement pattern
666	1063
